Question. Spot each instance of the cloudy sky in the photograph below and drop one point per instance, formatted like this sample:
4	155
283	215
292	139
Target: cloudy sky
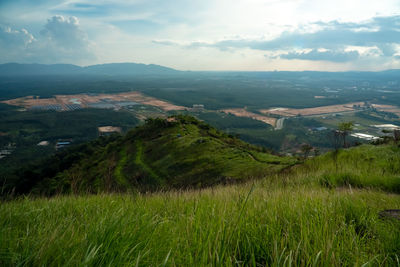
204	34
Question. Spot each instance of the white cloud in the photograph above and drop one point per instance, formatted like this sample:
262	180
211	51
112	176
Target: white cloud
60	41
318	41
328	55
12	42
64	36
14	38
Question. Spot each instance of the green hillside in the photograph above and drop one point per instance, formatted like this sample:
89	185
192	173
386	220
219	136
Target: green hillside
180	152
311	215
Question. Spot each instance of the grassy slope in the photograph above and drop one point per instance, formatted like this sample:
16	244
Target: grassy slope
287	219
161	155
366	166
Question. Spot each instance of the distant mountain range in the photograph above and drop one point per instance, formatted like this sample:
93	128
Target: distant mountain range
113	69
136	69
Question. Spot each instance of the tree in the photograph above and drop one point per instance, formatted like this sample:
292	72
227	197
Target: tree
344	129
335	136
396	135
305	149
336	143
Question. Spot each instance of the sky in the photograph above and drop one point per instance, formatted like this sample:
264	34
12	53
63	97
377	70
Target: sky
259	35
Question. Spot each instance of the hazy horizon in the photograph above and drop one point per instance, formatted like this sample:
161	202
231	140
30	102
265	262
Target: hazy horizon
255	35
205	70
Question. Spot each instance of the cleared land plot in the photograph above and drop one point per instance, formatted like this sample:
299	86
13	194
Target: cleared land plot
364	123
87	100
387	108
31	101
241	112
291	112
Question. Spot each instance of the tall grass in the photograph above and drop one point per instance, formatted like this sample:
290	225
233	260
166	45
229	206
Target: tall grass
322	213
366	166
264	224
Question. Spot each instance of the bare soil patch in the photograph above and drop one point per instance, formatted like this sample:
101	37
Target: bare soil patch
387	108
291	112
30	101
241	112
84	100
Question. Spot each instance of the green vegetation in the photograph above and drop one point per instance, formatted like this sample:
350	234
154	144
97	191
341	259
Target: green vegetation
344	129
293	218
27	129
182	153
289	139
224	226
363	119
181	193
366	166
219	90
323	212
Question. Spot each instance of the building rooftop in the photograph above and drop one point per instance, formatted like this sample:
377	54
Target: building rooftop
43	143
387	126
109	129
365	136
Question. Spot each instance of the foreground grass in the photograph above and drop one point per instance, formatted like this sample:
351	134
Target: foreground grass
324	212
262	224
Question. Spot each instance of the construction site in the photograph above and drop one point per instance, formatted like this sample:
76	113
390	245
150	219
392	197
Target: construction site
79	101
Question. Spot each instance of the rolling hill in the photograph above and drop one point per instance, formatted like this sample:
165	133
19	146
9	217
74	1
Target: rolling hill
180	152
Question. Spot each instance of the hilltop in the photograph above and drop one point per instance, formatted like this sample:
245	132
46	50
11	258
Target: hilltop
178	152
